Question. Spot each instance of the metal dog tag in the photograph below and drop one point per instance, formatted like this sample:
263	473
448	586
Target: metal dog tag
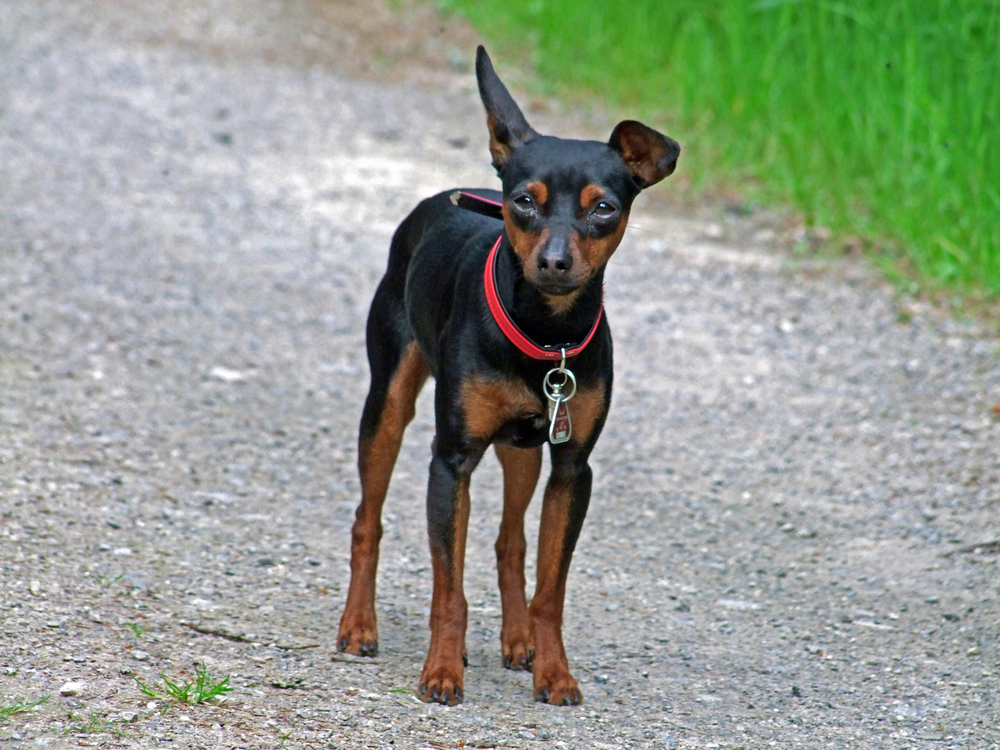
560	424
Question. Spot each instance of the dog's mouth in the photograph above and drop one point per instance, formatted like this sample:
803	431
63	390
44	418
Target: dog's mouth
562	284
558	288
562	299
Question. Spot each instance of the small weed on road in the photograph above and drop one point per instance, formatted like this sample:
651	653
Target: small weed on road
6	712
203	688
98	725
107	581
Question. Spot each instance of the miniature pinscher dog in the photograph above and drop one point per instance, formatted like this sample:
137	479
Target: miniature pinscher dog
499	297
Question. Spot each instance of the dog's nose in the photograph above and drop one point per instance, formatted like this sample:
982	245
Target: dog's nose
556	257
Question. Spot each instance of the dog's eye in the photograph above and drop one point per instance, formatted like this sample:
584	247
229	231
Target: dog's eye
524	202
604	209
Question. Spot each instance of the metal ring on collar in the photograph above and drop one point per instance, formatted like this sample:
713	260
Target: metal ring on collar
554	390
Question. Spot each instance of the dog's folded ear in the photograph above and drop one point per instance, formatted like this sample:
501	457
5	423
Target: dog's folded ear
508	128
650	156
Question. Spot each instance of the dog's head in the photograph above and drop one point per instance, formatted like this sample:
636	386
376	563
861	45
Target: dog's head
566	202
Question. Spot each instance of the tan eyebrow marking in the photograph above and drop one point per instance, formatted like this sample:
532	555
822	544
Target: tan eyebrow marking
589	195
539	192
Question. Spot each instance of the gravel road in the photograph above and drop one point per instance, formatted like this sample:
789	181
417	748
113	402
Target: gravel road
793	539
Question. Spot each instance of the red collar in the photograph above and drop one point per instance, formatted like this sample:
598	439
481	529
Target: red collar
515	334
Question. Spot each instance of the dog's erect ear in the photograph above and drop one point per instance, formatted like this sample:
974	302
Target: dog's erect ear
650	156
508	128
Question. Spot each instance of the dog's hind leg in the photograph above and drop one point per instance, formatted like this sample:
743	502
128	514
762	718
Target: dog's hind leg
521	467
398	373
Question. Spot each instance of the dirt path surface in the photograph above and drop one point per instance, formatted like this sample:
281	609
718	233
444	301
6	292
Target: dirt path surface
793	536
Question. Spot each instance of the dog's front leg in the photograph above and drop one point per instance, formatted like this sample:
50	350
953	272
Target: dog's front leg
563	511
521	468
442	680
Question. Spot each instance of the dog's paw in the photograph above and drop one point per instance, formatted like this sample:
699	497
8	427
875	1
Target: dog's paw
557	686
358	636
441	685
518	650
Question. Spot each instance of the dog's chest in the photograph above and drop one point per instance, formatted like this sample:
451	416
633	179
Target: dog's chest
507	411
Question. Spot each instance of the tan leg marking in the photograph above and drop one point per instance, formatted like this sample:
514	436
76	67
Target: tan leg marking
586	408
443	677
521	468
553	682
358	633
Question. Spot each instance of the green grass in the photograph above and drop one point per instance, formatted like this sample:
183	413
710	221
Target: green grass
876	118
107	581
99	725
6	712
202	688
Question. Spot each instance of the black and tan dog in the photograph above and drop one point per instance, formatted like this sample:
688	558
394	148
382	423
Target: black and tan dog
503	305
